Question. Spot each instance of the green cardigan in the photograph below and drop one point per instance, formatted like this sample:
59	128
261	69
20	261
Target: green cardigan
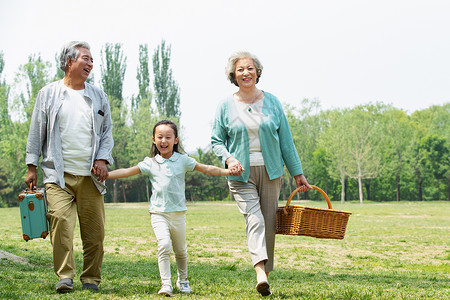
230	138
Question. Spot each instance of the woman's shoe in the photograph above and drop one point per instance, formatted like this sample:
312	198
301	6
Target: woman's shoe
263	288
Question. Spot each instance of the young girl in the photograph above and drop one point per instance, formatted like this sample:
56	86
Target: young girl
166	170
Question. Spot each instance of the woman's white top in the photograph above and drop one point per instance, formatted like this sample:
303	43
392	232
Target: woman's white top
251	115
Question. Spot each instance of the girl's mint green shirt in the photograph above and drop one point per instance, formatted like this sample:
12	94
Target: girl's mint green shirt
167	177
230	138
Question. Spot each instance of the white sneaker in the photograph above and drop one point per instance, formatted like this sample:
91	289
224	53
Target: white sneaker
183	286
166	290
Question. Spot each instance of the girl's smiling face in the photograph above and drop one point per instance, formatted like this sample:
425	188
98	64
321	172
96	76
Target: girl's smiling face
164	140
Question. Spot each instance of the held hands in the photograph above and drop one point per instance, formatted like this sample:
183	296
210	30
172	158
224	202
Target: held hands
302	183
100	170
234	166
235	173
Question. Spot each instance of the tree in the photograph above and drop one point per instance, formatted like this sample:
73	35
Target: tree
140	142
428	122
166	89
436	156
363	133
4	97
35	75
397	128
334	140
439	125
2	62
59	74
5	126
113	69
143	76
321	161
416	162
204	187
305	124
142	118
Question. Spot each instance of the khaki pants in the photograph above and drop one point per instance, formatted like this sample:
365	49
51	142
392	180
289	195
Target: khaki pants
79	197
257	200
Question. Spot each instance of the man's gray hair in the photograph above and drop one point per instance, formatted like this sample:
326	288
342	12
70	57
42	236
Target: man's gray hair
71	50
231	66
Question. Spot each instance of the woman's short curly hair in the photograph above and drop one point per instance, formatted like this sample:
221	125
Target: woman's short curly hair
229	70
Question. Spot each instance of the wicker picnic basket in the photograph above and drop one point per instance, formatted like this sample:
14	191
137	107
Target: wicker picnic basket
309	221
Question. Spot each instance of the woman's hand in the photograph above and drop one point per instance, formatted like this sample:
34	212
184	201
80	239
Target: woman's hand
234	166
302	183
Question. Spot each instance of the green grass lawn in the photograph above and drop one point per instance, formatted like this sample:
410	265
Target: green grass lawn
390	251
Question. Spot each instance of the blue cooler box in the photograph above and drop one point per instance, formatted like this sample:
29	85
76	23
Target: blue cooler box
33	211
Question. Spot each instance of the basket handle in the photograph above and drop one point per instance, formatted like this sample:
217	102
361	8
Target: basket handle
314	187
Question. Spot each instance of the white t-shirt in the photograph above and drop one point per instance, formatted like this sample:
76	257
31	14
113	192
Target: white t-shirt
75	126
251	115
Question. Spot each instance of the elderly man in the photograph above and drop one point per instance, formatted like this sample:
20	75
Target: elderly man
71	128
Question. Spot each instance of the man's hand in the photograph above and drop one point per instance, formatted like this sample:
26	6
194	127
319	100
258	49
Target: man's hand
31	179
100	170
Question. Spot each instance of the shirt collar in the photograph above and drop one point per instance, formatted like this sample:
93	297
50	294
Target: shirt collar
87	89
159	159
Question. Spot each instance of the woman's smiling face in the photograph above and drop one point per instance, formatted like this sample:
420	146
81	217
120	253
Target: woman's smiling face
164	140
245	72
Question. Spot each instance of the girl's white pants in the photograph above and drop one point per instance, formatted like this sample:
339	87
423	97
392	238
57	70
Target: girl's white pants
170	228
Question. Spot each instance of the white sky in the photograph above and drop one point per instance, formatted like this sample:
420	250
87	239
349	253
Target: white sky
342	53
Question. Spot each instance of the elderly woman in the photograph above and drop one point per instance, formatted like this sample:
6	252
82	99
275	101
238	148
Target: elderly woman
251	132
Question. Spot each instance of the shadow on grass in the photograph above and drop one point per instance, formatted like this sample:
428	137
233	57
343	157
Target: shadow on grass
139	278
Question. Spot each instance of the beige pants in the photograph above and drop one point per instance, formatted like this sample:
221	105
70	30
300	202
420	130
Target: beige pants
257	200
79	197
170	229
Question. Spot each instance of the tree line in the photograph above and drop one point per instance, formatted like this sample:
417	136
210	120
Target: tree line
372	151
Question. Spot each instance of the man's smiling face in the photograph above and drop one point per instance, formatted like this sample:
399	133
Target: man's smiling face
82	66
